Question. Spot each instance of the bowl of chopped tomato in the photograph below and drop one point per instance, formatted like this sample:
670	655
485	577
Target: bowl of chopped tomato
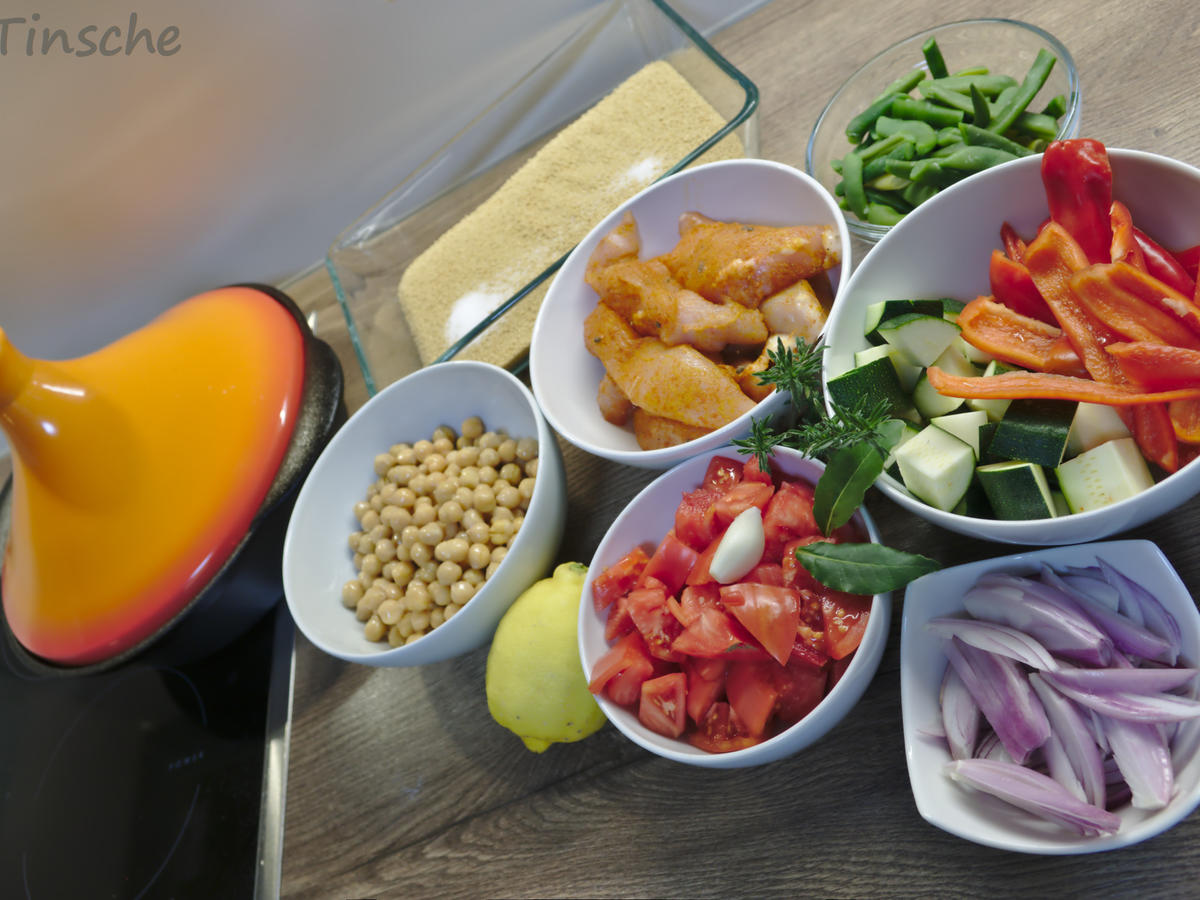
726	657
1052	394
648	347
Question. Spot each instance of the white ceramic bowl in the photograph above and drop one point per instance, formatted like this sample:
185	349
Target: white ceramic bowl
942	250
565	376
316	561
1005	46
645	521
984	819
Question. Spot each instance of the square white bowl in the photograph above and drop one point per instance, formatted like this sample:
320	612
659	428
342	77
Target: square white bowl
987	820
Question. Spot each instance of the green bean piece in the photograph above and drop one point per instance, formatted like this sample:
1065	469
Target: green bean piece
931	90
924	111
920	133
836	165
900	167
852	181
971	70
862	123
916	194
879	214
1038	145
903	84
946	150
877	165
982	112
975	136
882	147
989	85
1038	72
1036	125
933	59
976	159
1057	106
885	182
949	135
889	198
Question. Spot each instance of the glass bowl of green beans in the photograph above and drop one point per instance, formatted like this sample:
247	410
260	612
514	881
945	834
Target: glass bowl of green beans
936	108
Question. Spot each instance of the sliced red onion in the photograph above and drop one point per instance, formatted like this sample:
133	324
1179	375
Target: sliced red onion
995	638
1126	634
1096	588
990	747
960	715
1129	680
1028	606
1035	793
1129	706
1153	614
1145	762
1058	766
1003	695
1071	728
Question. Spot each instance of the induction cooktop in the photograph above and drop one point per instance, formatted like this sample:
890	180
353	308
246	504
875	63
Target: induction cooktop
149	780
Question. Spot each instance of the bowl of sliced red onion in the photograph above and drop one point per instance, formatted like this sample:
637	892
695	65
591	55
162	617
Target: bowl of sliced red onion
1050	698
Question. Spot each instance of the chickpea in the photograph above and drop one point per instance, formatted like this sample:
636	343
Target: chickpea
385	550
489	440
471	428
361	508
436	617
451	513
444	492
443	444
404	626
448	573
408	534
440	593
402	573
422	449
461	592
507	450
508	497
395	639
365	544
390	611
395	517
527	449
469	477
474	577
420	620
383	462
511	472
432	534
479	555
484	499
402	473
427	572
531	468
417	597
412	638
405	497
424	513
525	486
421	553
352	592
488	475
468	456
403	454
368	603
371	565
374	629
501	533
489	456
451	609
443	433
421	485
355	537
434	462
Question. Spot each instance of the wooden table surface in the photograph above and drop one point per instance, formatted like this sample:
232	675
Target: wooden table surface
401	785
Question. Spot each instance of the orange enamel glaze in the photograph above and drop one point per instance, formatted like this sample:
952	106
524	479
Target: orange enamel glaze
138	469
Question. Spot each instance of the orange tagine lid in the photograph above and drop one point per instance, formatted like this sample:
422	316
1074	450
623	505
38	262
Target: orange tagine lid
139	469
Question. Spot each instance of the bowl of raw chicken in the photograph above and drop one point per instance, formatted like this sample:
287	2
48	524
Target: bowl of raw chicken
650	342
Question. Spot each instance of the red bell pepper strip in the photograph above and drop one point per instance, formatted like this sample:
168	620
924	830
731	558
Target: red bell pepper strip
1190	260
1102	292
1125	247
1046	385
1030	343
1185	419
1052	258
1157	367
1013	245
1012	285
1155	293
1078	181
1163	265
1155	435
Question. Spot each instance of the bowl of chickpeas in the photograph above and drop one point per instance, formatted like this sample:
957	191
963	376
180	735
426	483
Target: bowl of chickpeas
429	512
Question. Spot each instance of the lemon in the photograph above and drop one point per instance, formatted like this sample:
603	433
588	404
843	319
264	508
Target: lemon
535	682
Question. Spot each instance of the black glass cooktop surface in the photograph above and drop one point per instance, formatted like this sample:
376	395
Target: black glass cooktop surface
151	780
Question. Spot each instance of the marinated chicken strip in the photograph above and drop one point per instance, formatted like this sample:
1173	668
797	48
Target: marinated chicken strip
747	375
646	296
733	262
623	242
614	405
655	432
796	311
673	382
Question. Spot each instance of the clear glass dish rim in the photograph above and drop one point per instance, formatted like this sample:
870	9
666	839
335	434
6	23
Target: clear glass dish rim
873	233
749	105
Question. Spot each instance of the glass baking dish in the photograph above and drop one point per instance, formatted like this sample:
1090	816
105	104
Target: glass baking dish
605	46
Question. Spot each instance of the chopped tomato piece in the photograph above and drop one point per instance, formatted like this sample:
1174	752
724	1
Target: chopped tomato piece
619	621
670	564
695	518
696	597
765	573
658	627
845	617
699	573
715	633
789	513
740	498
752	695
663	704
837	668
771	614
621	671
752	472
705	685
718	733
619	578
794	573
801	687
803	653
722	473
